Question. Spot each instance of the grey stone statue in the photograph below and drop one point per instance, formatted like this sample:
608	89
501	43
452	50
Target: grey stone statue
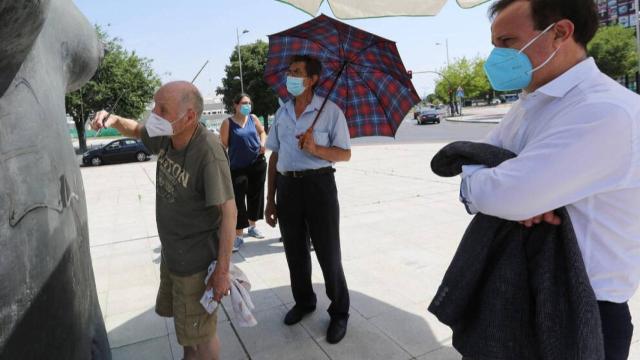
48	302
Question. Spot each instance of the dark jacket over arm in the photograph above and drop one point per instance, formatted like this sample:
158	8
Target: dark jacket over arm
513	292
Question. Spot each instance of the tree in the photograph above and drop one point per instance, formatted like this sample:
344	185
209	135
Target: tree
468	74
432	99
254	60
121	75
614	50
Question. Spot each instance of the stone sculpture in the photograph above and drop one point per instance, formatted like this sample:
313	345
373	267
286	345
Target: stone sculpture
48	302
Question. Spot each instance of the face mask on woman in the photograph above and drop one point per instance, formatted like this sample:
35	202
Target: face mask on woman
245	109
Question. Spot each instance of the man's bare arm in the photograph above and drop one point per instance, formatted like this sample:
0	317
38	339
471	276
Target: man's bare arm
220	281
126	127
271	215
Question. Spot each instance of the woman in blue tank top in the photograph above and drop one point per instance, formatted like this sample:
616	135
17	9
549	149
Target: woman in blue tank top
244	137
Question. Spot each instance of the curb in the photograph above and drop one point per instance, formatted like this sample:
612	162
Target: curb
477	121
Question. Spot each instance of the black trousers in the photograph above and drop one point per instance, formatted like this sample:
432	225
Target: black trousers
248	188
617	329
309	206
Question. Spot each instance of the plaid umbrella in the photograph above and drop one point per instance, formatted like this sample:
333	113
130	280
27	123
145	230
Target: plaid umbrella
362	73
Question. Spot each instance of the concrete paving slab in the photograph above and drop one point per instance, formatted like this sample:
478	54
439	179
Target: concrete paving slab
306	349
413	329
134	327
157	349
130	299
271	333
364	341
634	354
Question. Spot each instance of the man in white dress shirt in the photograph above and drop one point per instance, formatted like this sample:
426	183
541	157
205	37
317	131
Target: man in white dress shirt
577	136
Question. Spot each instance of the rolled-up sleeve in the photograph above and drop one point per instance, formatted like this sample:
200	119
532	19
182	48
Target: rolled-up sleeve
567	164
339	134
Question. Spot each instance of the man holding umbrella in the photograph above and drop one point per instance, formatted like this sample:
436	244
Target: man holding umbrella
308	136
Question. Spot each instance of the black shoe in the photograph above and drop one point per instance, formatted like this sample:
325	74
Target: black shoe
296	314
337	330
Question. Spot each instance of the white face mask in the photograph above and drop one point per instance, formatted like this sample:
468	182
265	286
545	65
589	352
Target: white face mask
158	126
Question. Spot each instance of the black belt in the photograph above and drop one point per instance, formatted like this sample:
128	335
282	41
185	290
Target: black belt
303	173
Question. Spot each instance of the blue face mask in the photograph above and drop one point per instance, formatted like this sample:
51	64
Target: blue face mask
245	109
295	85
510	69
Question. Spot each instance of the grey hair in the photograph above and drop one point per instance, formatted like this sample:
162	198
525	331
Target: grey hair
191	97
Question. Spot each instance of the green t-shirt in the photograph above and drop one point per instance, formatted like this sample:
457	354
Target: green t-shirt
189	184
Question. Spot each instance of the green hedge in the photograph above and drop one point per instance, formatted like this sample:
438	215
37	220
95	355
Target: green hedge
110	132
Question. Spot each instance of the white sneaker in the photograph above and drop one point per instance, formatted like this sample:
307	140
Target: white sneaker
237	243
254	232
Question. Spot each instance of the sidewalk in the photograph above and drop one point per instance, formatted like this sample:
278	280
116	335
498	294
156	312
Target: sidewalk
484	114
400	226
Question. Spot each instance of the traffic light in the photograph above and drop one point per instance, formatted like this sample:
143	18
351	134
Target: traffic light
410	74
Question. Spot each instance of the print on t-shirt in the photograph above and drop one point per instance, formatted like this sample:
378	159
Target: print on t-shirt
170	174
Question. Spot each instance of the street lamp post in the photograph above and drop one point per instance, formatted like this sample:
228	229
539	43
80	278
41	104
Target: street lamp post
240	56
446	43
638	36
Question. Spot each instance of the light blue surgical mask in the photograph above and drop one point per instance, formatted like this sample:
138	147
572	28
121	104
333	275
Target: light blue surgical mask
245	109
295	85
510	69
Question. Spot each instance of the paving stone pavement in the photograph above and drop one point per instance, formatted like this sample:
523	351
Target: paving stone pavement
400	225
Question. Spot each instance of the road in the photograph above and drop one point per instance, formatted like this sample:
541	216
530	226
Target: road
409	133
446	131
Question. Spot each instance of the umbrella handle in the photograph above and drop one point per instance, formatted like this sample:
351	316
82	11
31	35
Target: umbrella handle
303	137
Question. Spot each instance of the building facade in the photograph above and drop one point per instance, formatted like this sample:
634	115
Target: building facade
622	12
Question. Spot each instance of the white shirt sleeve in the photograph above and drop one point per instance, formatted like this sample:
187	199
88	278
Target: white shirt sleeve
493	137
589	151
465	190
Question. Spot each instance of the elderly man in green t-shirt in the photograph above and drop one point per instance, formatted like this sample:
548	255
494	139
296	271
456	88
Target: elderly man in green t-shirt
195	211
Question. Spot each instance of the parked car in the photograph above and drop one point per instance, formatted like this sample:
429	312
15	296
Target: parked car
122	150
429	116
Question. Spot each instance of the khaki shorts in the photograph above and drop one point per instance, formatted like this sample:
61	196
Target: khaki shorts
179	297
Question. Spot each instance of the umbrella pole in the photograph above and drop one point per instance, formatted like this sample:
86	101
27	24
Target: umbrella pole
309	131
344	65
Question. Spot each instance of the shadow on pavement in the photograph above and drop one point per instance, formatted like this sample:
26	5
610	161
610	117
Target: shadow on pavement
248	250
393	334
256	248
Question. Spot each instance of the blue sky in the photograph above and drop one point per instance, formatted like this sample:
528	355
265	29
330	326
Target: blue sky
181	35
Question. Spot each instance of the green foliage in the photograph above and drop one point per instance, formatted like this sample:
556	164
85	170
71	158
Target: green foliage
468	74
614	50
110	132
120	73
433	99
254	60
